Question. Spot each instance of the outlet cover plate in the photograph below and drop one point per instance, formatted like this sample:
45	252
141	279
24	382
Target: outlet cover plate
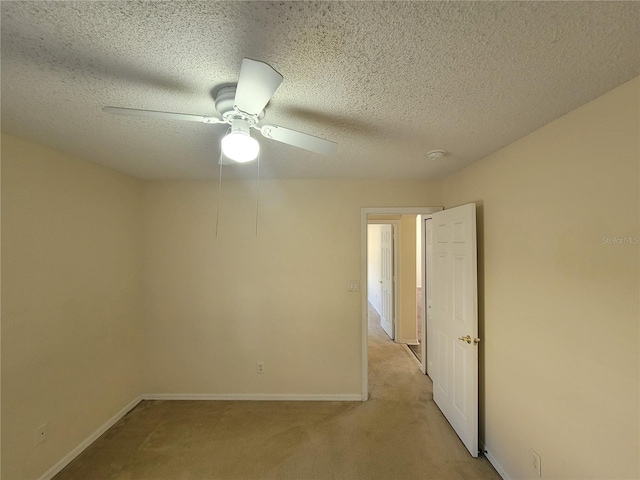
41	434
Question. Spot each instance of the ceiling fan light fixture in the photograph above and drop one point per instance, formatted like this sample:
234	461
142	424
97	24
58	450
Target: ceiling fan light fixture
239	145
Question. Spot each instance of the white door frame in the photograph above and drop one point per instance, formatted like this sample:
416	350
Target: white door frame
427	285
364	295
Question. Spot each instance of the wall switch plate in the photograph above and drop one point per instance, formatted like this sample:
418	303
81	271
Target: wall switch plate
41	434
353	286
260	367
535	463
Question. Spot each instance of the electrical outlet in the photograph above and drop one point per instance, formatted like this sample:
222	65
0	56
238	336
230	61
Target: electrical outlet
41	434
260	367
535	463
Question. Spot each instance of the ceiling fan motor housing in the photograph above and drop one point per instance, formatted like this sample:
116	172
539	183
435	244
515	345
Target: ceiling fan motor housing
225	100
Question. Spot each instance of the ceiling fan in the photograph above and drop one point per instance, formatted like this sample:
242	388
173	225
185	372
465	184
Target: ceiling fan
242	107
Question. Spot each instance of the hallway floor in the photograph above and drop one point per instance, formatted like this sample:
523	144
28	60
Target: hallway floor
398	434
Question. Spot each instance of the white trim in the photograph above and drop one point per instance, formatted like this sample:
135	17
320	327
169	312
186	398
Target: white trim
364	307
397	279
69	457
494	462
363	276
423	295
297	397
401	210
425	309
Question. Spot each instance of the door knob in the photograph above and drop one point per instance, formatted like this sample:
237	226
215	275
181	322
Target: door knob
469	340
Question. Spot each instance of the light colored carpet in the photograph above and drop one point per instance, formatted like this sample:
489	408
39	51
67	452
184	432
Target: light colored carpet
398	434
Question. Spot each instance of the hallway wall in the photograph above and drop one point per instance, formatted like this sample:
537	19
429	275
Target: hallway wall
406	328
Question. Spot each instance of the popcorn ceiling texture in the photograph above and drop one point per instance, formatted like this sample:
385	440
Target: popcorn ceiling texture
387	81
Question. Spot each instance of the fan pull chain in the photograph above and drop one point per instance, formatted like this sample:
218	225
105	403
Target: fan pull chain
257	193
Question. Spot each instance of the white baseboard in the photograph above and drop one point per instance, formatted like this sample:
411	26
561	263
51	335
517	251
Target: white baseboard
494	462
408	341
355	397
67	459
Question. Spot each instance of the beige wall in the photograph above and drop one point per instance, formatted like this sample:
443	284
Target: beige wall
561	307
216	306
71	239
407	313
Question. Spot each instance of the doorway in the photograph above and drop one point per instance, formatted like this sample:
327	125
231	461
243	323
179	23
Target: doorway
407	334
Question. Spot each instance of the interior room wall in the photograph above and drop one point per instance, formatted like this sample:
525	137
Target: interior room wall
406	327
558	265
374	266
71	239
215	306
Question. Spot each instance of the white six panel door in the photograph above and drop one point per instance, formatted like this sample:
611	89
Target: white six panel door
455	316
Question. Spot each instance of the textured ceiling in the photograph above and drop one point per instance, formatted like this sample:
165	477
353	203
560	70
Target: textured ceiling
387	81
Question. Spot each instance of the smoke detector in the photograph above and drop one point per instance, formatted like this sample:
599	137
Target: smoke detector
436	154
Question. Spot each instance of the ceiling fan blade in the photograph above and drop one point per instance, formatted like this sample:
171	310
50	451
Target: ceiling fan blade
256	85
298	139
134	112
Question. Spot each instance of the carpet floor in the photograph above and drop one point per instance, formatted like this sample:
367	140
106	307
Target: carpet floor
398	434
